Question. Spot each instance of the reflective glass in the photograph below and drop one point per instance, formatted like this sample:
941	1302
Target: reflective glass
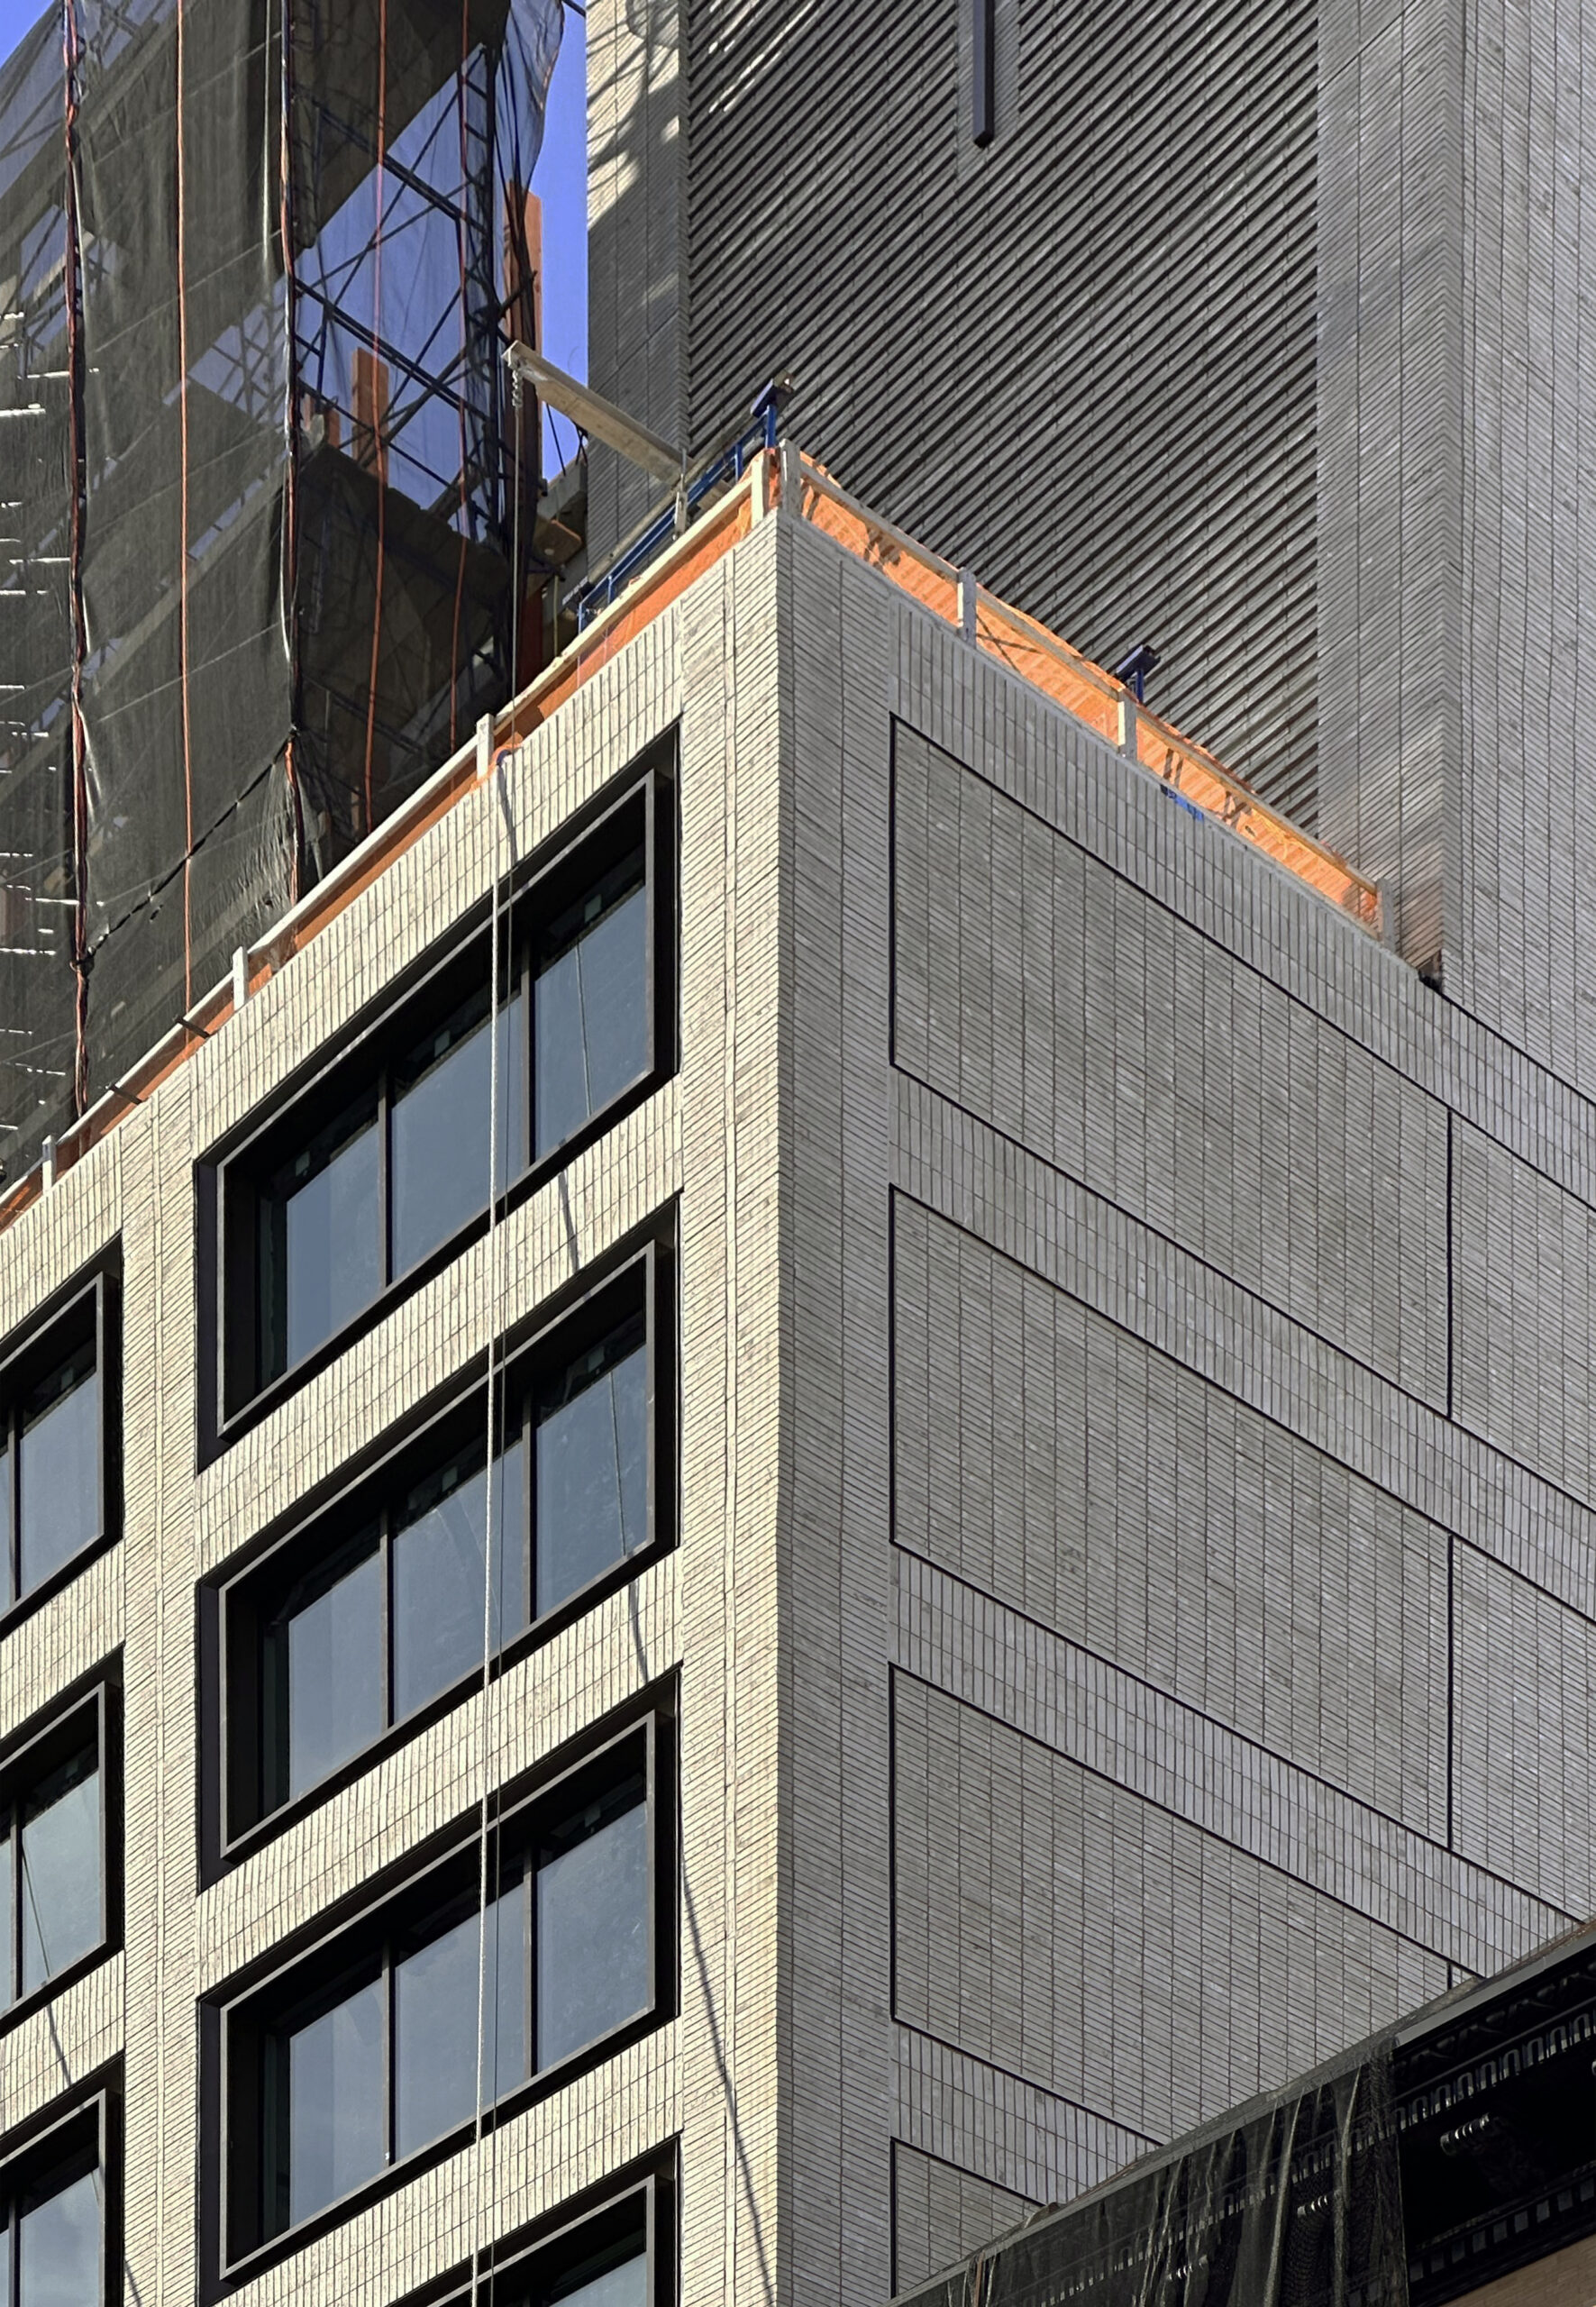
625	2286
336	1674
332	1238
436	2022
592	1477
591	1019
58	1472
7	1911
437	1572
7	1593
443	1097
58	2248
60	1872
593	1937
335	2124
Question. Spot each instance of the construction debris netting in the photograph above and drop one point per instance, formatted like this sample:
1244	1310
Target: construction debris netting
258	259
1295	2205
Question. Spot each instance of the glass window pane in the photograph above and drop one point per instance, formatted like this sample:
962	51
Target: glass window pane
441	1100
591	1019
592	1475
61	1871
625	2286
7	1915
438	1599
435	2023
593	1937
332	1233
335	2124
58	2248
334	1662
58	1471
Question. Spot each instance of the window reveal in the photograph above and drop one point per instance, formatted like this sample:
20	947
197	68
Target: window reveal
381	1166
360	2073
56	1463
52	1853
378	1607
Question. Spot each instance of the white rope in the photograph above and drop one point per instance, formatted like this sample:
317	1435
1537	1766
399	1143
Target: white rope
484	2155
489	1537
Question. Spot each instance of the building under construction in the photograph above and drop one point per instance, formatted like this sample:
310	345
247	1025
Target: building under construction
1450	2158
826	1456
257	263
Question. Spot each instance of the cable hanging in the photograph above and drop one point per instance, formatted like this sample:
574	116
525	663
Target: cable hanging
485	2143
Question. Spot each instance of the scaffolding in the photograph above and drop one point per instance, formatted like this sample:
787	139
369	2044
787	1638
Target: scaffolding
1421	2166
727	491
263	489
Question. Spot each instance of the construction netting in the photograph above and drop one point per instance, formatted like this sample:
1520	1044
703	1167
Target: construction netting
1296	2204
259	259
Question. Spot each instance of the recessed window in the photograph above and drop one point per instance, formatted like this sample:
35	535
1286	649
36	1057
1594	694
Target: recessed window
57	1463
591	1003
395	1594
53	2223
366	2053
395	1172
619	2254
54	1907
382	1165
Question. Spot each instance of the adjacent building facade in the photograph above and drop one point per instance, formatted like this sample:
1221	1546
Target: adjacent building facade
1251	332
1037	1574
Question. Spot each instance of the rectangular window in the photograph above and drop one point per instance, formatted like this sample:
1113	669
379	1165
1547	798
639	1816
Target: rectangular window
57	1459
55	2238
366	2053
382	1164
55	1907
388	1601
618	2254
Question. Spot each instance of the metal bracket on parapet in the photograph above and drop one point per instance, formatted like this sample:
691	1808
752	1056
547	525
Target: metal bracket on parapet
1128	727
968	596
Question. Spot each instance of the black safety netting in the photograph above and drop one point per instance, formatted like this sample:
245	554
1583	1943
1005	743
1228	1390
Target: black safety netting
259	479
1296	2202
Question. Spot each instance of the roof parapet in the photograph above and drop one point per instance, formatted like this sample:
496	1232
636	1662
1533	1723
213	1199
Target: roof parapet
756	483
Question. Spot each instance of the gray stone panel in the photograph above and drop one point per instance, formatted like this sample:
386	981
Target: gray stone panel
1525	1339
1068	1931
1099	1488
1060	1005
941	2215
1525	1731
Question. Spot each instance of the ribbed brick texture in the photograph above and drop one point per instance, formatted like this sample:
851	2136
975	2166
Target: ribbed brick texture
1080	360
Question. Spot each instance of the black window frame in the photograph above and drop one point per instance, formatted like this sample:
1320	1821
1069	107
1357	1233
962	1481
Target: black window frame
236	1606
88	1310
89	1713
61	2144
533	2263
238	2022
635	813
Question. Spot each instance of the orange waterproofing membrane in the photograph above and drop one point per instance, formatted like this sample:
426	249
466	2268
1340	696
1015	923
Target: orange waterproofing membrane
1088	693
1029	649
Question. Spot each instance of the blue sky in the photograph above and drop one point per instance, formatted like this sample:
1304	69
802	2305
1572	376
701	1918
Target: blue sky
560	178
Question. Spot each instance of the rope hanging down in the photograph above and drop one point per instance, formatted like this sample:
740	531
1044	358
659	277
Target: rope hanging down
485	2143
